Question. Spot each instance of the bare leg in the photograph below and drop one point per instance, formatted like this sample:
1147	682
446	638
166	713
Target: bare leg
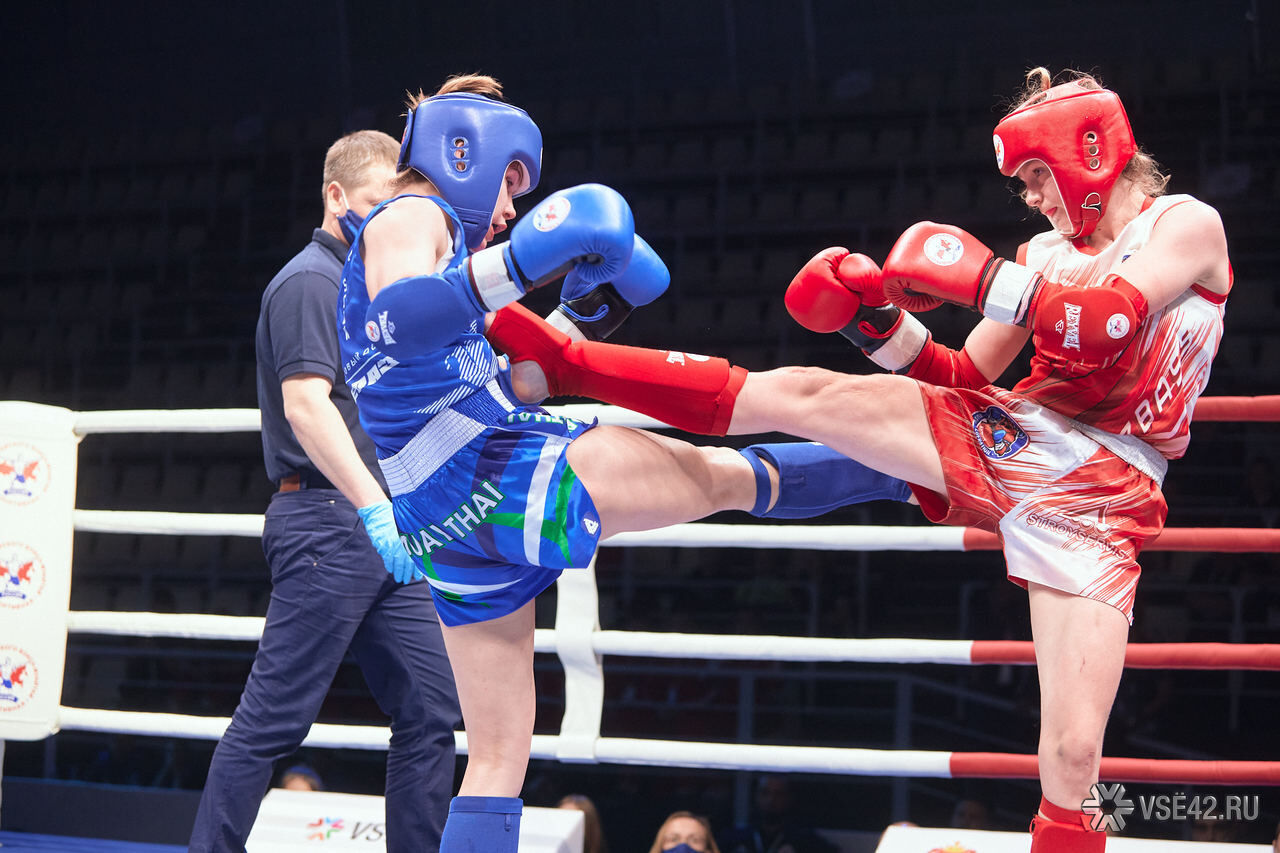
1080	645
493	667
879	420
642	481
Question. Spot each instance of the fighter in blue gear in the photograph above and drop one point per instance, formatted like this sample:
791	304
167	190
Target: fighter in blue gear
492	497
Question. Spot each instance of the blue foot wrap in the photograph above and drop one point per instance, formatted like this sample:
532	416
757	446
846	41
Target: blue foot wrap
482	825
814	479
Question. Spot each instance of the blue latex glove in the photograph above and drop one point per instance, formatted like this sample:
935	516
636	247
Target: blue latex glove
381	526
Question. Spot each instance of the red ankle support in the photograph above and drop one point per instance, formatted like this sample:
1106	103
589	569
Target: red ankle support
1059	830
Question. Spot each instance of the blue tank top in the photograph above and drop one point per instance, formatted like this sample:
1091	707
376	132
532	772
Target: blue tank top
397	397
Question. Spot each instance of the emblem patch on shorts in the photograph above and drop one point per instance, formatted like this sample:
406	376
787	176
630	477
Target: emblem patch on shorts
997	434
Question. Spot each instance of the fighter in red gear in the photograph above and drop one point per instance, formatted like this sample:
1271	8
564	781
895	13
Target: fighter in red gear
1124	300
1066	468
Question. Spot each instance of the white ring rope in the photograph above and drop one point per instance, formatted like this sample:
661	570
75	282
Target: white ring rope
577	638
637	751
814	537
250	420
738	647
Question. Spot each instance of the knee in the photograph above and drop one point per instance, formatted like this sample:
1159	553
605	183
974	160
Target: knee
823	393
815	386
1072	753
529	382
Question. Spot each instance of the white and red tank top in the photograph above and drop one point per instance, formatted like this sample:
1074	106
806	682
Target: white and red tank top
1151	390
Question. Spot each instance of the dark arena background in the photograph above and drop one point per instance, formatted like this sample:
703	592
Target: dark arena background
162	160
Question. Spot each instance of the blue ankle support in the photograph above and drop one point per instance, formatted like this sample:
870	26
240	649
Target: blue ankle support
814	479
482	825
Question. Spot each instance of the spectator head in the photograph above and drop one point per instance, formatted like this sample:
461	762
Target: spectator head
684	832
592	830
971	814
773	798
301	777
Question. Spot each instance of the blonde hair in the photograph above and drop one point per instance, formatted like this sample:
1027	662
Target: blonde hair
593	840
1142	169
474	84
712	847
350	159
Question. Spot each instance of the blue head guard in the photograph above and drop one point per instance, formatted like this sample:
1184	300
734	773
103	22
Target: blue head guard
464	143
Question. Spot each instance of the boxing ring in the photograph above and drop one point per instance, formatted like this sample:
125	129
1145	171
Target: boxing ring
581	645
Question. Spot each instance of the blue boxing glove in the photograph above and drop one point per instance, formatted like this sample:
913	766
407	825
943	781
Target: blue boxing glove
593	311
587	228
380	523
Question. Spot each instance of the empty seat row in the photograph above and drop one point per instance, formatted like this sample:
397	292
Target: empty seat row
241	142
216	487
124	245
778	151
146	592
89	195
111	555
857	201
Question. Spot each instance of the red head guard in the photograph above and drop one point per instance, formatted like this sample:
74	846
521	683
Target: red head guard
1082	135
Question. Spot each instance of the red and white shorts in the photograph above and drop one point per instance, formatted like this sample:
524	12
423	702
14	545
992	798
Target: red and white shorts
1070	514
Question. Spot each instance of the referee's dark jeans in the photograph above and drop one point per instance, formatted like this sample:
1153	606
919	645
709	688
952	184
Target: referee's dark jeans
330	592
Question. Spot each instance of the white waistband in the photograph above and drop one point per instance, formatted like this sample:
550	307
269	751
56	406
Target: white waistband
440	438
1131	449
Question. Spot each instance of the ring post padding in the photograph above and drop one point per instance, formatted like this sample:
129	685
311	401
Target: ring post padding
37	495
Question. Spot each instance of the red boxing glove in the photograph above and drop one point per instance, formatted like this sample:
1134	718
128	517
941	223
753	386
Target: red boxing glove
835	289
863	276
818	298
840	292
931	264
877	319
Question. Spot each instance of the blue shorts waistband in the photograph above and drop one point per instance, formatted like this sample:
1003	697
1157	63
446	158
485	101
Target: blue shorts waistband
443	436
